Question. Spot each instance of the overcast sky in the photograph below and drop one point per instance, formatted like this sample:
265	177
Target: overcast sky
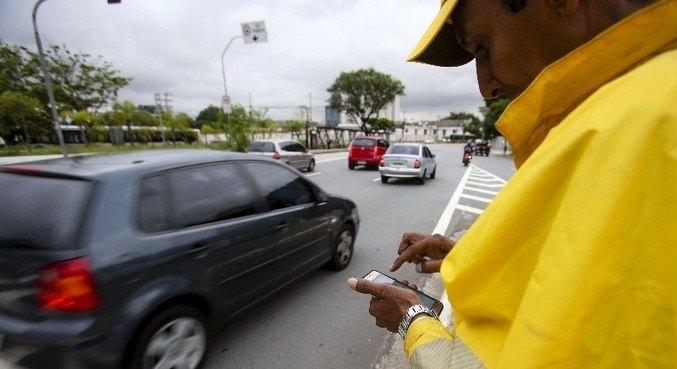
175	46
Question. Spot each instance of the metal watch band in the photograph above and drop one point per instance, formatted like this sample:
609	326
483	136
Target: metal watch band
409	316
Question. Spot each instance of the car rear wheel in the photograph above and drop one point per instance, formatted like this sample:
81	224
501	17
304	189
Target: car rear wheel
351	166
311	165
175	338
432	175
343	249
384	179
421	180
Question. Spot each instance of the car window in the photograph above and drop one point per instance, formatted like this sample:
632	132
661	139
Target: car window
404	149
299	147
287	146
383	143
426	153
279	186
208	194
364	142
261	147
41	213
152	213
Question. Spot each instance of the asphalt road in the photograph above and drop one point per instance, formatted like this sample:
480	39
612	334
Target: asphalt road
319	322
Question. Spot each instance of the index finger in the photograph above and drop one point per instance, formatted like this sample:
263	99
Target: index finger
410	254
409	239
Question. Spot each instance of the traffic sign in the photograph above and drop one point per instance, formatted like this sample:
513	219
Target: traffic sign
227	108
254	32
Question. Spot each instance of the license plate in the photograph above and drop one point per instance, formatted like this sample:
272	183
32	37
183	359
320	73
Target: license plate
362	162
398	163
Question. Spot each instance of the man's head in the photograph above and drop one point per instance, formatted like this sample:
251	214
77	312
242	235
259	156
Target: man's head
512	41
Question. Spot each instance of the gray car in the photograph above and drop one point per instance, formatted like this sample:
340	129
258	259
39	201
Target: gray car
408	160
289	152
131	260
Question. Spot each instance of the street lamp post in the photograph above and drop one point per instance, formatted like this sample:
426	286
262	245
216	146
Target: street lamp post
223	66
48	81
48	77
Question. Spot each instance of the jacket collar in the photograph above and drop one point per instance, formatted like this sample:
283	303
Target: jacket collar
561	86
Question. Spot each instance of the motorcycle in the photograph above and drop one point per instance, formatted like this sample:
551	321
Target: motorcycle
467	156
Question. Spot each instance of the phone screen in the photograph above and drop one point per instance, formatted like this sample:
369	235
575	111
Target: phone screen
431	303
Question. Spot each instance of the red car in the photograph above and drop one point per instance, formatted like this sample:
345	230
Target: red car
366	151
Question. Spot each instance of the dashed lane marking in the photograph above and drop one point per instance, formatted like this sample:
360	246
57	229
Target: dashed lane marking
313	174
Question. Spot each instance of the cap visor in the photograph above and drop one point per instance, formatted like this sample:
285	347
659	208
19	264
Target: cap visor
438	46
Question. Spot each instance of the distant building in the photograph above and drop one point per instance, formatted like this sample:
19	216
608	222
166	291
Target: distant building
442	130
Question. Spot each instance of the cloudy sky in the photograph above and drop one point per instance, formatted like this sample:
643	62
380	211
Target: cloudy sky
175	46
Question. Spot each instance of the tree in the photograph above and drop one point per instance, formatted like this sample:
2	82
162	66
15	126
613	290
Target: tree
237	125
80	80
123	113
19	110
209	114
381	124
180	121
363	93
492	112
86	120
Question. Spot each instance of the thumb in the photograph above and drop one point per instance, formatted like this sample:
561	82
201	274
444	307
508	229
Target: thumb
367	287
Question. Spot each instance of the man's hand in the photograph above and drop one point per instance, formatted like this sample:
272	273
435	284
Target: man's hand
427	252
388	303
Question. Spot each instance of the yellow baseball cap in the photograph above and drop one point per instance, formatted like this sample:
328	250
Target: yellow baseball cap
438	46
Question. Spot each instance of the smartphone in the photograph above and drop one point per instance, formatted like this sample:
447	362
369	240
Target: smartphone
431	303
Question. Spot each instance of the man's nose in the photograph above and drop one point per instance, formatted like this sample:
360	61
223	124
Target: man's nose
490	87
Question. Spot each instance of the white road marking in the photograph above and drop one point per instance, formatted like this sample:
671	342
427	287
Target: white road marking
470	209
313	174
496	185
376	180
445	219
476	198
475	189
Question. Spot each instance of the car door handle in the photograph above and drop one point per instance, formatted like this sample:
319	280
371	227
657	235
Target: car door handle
282	225
198	248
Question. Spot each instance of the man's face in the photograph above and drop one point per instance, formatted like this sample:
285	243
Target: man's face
510	49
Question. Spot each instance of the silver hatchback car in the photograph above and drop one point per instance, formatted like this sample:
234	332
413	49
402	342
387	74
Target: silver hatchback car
287	151
408	160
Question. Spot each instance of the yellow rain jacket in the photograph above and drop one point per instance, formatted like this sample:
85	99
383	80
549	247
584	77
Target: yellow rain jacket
574	264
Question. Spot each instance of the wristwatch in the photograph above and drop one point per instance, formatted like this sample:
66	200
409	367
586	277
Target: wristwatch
409	317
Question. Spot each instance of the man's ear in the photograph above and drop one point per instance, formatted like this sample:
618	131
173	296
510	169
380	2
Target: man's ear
565	7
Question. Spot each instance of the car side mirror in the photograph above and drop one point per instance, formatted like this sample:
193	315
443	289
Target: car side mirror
322	197
433	155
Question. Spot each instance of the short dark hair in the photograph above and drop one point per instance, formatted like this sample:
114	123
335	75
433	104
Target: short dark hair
515	5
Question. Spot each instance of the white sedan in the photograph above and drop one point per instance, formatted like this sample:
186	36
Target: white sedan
408	160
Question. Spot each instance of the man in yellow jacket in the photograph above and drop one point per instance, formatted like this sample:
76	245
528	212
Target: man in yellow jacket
574	264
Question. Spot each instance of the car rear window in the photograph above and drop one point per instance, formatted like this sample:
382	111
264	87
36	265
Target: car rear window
261	147
364	142
404	150
39	212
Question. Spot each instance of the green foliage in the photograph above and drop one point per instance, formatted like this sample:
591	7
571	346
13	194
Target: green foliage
363	93
381	124
237	126
294	126
492	112
210	114
21	114
80	80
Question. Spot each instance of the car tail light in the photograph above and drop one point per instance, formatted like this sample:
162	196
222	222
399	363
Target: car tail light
382	163
68	286
417	164
276	155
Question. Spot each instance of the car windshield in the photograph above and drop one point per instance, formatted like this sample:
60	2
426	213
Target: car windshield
404	150
40	212
364	142
261	147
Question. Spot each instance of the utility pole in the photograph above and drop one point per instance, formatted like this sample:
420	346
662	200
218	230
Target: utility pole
158	109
